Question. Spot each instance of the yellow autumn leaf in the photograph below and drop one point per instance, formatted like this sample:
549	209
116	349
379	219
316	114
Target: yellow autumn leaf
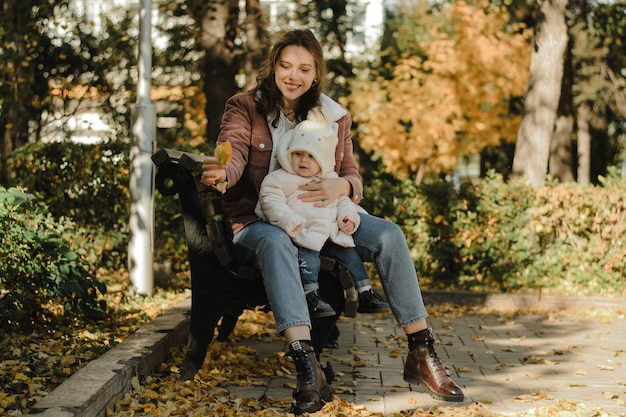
20	377
224	153
221	187
541	395
135	383
151	394
68	360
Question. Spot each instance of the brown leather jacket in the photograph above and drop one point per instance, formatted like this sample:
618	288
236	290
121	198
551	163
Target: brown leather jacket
249	134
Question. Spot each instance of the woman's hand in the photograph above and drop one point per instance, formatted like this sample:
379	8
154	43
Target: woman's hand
213	173
322	192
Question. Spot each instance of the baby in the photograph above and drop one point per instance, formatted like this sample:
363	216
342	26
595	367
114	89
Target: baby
309	155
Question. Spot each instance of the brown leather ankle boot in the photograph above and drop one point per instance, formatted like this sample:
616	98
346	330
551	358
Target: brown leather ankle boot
423	365
312	391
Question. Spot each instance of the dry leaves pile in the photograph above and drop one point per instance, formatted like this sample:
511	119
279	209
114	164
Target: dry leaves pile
32	365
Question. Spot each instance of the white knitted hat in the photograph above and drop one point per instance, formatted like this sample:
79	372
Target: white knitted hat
315	135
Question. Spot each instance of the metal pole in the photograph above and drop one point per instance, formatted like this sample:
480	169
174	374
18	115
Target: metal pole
141	174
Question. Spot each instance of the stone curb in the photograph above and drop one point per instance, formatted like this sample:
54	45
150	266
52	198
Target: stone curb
101	382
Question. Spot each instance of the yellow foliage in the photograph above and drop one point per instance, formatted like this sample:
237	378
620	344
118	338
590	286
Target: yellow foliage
223	154
452	103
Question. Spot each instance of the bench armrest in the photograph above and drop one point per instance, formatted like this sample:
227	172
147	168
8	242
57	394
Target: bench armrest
179	173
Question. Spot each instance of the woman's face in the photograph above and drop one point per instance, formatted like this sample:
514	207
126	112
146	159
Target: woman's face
295	72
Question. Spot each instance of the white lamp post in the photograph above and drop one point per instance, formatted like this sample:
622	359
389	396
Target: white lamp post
141	170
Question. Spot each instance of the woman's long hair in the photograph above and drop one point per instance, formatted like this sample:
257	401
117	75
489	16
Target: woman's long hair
266	93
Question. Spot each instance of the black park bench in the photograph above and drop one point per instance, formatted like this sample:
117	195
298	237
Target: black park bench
221	288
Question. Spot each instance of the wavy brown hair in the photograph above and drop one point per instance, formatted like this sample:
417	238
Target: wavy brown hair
266	93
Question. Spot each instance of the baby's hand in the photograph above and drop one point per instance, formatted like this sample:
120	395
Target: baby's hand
347	226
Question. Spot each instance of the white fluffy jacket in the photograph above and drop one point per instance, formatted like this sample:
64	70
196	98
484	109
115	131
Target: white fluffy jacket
279	204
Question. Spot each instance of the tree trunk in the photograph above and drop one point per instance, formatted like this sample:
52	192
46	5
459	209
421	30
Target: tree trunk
216	21
15	78
583	118
226	51
256	37
5	151
540	108
562	159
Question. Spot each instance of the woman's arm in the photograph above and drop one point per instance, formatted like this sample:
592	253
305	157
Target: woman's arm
347	167
236	128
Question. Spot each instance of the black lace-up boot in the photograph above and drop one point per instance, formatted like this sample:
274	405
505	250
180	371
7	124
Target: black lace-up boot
312	391
423	365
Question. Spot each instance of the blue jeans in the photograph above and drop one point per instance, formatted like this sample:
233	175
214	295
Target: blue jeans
350	259
309	263
377	240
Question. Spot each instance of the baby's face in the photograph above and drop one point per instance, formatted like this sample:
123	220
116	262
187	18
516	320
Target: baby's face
304	164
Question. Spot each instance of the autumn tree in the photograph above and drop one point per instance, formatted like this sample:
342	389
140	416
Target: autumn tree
230	43
561	163
23	92
449	93
599	36
52	65
532	150
332	21
576	89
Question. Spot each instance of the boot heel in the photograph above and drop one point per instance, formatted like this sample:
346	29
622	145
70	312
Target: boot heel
326	395
352	302
411	379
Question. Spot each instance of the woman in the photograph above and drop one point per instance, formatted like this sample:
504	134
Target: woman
290	83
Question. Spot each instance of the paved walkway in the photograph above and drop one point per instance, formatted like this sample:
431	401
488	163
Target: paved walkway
507	364
504	362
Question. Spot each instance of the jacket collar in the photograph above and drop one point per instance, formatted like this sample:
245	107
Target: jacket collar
337	110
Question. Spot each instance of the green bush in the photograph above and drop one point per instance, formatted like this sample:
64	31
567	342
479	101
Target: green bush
89	184
41	268
490	233
493	235
424	212
86	183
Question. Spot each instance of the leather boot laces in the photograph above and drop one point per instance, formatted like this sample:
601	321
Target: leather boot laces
432	354
304	368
